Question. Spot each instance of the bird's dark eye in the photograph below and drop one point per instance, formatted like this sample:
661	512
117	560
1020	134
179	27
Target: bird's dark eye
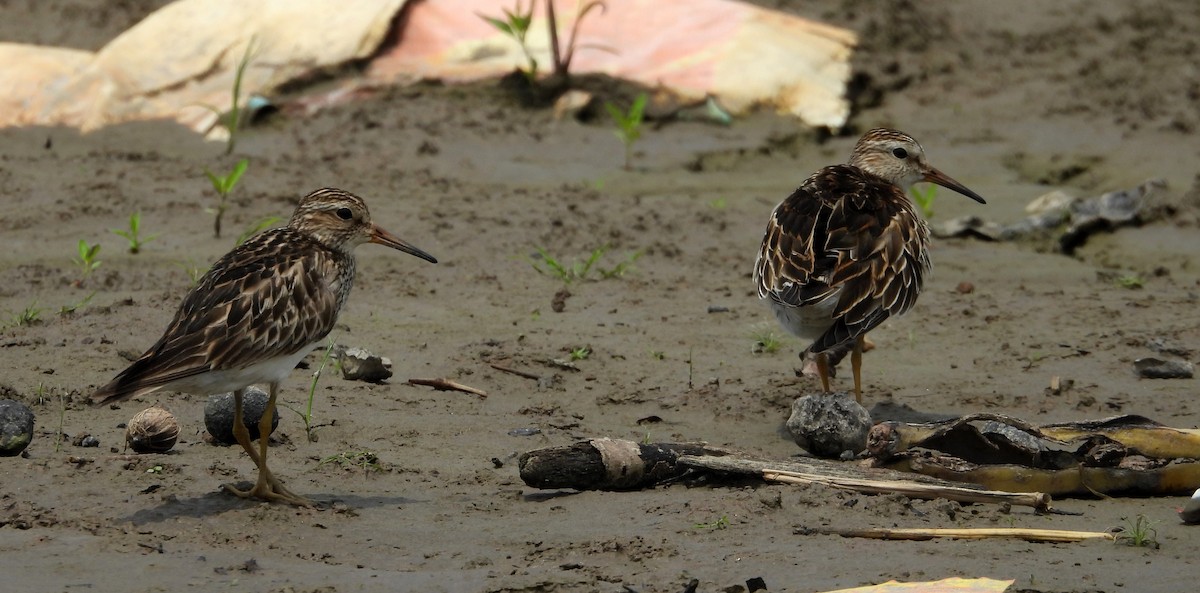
346	214
900	153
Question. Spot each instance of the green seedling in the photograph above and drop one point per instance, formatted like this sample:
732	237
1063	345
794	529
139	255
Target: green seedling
629	125
515	24
157	469
580	270
307	414
1138	532
193	271
69	309
581	353
30	315
232	120
1131	282
620	269
132	234
658	355
87	260
366	460
223	185
256	227
719	204
766	340
721	523
924	199
62	417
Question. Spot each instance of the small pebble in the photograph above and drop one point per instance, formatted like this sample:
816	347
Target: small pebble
524	432
1155	368
16	427
965	287
218	414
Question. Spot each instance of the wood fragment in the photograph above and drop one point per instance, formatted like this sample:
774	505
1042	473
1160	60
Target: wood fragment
607	464
517	372
1033	535
448	385
911	489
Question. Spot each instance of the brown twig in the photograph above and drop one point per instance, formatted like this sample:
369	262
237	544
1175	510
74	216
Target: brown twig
519	373
1036	500
1033	535
447	385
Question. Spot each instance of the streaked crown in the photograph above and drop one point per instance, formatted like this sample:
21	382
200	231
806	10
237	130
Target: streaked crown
892	155
336	218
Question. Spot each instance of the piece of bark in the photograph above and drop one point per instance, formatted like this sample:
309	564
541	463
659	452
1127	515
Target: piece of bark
607	464
912	489
1033	535
864	479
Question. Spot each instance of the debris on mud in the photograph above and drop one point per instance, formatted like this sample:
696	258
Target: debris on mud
829	425
1069	219
16	427
359	364
153	430
1157	368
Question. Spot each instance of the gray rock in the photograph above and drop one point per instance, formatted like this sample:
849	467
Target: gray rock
827	425
361	365
1155	368
16	427
218	414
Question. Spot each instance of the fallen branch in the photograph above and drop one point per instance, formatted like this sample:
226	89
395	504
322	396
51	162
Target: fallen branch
607	464
447	385
519	373
1037	500
1032	535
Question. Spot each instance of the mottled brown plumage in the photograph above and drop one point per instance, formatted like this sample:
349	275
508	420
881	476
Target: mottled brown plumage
258	311
847	249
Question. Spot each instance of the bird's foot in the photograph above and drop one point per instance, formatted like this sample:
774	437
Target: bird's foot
270	490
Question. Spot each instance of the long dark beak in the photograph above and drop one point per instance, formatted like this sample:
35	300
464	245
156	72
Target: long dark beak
383	237
944	180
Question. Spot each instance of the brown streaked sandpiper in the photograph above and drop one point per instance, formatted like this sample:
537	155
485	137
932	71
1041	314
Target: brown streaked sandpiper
847	249
256	313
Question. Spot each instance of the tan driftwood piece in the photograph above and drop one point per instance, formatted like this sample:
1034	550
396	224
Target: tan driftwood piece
910	489
864	479
1033	535
447	385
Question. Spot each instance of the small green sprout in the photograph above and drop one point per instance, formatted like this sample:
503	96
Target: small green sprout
1138	532
256	227
581	353
132	234
766	340
1131	282
87	260
721	523
924	199
366	460
69	309
515	24
549	265
223	185
30	315
629	125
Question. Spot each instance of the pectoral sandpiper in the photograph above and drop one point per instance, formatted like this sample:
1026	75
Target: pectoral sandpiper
256	313
847	249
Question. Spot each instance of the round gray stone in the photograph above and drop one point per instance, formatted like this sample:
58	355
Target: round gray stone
218	414
829	425
16	427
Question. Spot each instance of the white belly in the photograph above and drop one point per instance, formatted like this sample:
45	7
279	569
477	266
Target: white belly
273	370
808	322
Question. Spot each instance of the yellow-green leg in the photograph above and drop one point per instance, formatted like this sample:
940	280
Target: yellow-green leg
823	370
856	365
267	487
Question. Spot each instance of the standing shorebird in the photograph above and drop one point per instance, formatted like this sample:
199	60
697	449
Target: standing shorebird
847	249
256	313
